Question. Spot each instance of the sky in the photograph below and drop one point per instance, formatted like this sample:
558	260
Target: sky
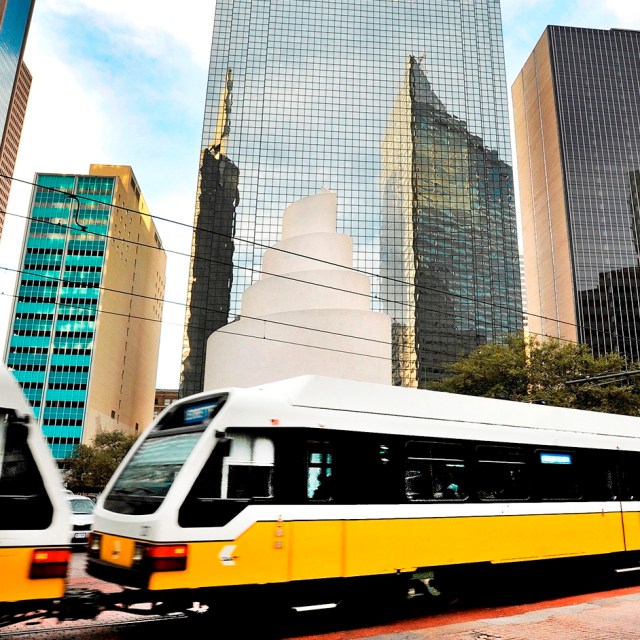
124	82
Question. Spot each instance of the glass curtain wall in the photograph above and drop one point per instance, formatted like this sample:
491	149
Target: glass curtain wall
398	106
596	80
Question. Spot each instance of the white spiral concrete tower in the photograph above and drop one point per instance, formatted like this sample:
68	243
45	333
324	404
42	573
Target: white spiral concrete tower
309	314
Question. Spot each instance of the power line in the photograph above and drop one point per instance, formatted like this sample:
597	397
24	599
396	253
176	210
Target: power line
406	305
604	377
260	245
255	244
293	279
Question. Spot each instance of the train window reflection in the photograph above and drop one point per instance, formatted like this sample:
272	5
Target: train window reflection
435	471
502	473
155	464
248	470
557	477
319	471
20	478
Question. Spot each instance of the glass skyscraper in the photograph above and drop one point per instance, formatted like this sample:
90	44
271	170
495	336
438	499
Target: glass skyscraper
577	123
85	330
15	18
400	107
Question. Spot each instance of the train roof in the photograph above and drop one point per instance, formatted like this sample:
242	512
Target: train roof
336	394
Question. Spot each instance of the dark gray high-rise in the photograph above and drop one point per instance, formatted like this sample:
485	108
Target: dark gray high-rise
400	107
577	123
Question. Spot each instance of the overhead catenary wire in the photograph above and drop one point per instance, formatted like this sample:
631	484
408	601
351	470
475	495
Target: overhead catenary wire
263	246
44	220
44	277
255	270
278	249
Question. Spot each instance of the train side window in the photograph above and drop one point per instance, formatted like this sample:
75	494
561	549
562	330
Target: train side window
248	470
557	476
435	471
629	476
319	471
598	475
502	473
20	478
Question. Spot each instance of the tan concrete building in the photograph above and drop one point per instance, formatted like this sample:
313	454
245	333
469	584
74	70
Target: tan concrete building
123	381
164	398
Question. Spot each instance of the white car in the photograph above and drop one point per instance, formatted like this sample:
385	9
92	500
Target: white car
81	518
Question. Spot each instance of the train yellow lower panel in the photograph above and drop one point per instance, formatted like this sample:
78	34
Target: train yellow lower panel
631	520
271	552
16	586
389	546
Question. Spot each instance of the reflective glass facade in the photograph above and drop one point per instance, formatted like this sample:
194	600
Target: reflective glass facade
13	30
15	17
398	106
577	108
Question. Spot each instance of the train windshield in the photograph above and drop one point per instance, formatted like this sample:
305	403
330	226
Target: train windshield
23	497
146	479
150	473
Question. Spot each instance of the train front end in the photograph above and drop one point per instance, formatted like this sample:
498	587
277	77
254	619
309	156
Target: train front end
142	537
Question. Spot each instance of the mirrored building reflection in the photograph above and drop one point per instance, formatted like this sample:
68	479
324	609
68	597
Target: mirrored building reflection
576	104
398	106
444	197
15	83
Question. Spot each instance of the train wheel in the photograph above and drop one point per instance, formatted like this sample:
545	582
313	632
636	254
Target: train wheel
437	589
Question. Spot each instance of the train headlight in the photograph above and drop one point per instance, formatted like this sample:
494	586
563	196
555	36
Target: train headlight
138	554
93	547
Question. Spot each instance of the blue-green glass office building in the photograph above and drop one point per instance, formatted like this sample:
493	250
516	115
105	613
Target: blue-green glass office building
85	330
400	107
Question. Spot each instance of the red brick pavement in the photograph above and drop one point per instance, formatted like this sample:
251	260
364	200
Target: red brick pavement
604	616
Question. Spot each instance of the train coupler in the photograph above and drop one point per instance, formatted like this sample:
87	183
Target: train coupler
80	604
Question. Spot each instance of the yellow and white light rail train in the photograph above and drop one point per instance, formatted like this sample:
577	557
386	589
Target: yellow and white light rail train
312	489
34	513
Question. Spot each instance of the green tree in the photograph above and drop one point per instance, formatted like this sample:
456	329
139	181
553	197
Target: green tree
533	370
91	466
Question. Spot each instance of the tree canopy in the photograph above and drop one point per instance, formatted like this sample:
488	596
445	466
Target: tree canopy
91	466
531	370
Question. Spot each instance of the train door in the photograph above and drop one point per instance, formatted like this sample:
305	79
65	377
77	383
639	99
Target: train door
317	533
629	496
234	493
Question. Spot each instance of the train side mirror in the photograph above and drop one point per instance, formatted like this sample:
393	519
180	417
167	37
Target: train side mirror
223	446
15	417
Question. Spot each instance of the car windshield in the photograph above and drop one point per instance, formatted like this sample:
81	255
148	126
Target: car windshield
79	505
